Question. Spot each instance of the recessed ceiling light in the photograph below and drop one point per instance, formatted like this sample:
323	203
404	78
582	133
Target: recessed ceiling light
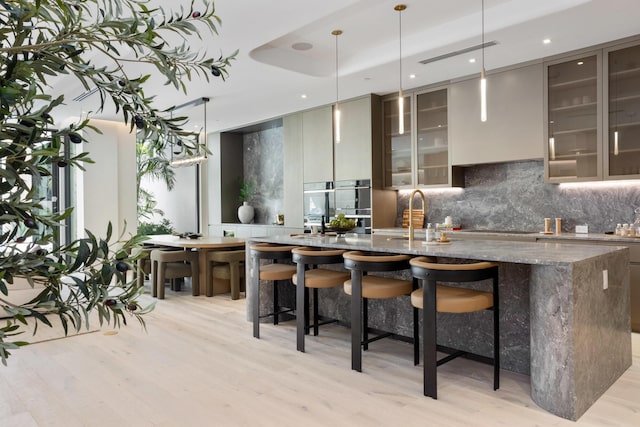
546	41
303	96
301	46
412	76
472	60
580	62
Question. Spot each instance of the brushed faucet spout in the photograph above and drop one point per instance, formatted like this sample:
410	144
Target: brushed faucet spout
424	206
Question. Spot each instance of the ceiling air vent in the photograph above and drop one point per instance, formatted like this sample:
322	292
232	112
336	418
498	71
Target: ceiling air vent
458	52
86	94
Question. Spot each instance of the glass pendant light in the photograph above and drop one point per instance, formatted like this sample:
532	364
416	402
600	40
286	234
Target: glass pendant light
483	78
336	109
400	8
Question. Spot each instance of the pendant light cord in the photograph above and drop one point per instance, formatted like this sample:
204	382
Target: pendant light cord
336	34
400	45
483	34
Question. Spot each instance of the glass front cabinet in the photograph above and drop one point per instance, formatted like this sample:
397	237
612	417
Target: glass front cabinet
593	116
622	121
419	157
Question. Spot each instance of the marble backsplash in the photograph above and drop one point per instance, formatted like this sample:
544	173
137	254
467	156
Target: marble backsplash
263	163
513	196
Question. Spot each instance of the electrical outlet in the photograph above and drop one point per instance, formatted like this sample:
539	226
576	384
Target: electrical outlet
605	279
582	229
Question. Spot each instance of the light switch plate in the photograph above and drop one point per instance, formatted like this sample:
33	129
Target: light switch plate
580	229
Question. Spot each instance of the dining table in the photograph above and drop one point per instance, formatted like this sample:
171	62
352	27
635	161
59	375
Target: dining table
202	245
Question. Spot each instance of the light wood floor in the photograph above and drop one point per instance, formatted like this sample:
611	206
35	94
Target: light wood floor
198	365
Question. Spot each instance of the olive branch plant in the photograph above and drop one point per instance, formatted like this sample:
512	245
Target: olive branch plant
40	41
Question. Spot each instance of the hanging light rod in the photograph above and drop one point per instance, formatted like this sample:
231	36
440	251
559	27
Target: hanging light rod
483	78
399	8
192	103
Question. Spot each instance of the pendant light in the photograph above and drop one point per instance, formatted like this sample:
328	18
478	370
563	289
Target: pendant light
199	157
336	109
400	8
483	78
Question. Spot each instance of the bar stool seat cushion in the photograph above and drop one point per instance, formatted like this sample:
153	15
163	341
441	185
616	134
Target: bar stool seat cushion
277	271
377	287
456	300
320	278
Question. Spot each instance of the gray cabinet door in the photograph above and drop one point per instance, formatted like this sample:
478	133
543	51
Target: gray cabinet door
317	136
352	155
514	128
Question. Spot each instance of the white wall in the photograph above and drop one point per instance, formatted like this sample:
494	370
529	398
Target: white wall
109	185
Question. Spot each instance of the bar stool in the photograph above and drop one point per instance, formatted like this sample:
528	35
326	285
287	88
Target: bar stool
226	265
172	265
274	272
362	287
432	298
308	276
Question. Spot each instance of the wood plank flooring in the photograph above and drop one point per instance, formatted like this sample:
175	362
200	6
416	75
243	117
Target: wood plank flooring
198	365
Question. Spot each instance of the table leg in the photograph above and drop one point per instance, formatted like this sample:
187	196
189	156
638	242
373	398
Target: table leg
356	320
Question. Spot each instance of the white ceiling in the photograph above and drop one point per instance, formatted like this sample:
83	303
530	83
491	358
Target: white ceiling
268	77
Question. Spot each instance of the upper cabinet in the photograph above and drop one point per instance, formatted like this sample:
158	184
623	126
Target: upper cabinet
432	143
512	131
573	149
398	157
623	118
356	156
317	137
353	155
420	156
592	110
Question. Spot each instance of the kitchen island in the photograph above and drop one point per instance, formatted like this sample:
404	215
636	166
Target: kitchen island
579	338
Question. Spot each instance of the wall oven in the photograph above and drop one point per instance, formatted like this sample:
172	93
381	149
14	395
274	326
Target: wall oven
319	201
353	199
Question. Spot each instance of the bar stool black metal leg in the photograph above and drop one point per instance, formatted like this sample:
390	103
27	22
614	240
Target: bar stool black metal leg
356	320
306	311
276	306
429	327
416	330
301	324
416	337
496	335
316	318
365	324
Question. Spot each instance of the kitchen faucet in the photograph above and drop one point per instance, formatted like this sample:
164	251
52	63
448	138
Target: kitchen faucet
424	207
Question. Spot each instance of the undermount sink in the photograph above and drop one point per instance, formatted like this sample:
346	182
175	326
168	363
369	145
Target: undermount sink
405	238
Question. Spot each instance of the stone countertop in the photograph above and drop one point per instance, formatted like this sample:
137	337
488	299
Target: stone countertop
595	237
550	253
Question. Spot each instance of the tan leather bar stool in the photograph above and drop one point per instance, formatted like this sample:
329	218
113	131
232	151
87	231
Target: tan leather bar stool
226	265
308	276
362	287
274	272
433	297
172	265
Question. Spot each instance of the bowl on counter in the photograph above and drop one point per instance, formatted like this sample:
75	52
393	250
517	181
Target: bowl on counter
339	230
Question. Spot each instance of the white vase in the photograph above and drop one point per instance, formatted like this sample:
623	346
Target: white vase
245	213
